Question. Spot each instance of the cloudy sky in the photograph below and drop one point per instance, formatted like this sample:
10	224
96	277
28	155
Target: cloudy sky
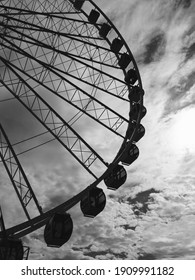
152	216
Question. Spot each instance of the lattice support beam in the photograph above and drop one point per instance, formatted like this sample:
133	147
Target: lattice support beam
53	122
16	174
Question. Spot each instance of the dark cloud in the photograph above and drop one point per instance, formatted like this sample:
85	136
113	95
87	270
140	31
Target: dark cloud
183	4
127	227
87	251
190	52
155	48
177	94
170	252
184	85
141	201
188	43
146	256
121	197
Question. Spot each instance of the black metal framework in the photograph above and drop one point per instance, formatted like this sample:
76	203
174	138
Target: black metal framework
71	52
16	174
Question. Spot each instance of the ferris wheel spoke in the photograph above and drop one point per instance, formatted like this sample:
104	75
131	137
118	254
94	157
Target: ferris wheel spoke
54	123
37	222
109	81
75	37
57	15
71	122
37	5
90	59
98	111
28	11
96	80
67	52
55	31
17	175
91	55
99	114
70	35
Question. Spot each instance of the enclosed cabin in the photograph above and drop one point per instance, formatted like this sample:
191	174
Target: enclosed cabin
93	202
131	77
104	30
116	178
93	16
135	111
58	230
116	45
124	60
131	155
11	249
139	133
78	4
135	94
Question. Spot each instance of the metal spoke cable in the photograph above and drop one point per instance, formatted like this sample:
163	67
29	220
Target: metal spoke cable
16	174
85	163
71	122
34	27
30	12
78	78
77	107
68	81
65	53
95	69
69	35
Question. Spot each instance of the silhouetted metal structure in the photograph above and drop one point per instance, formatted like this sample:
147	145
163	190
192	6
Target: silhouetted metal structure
116	178
93	202
139	134
67	53
10	248
58	230
131	155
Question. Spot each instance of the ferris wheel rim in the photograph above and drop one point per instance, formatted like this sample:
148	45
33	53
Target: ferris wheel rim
43	217
114	29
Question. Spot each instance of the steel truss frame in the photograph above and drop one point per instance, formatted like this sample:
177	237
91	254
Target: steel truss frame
83	48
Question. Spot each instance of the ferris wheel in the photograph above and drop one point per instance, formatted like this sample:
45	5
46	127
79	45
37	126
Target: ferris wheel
66	64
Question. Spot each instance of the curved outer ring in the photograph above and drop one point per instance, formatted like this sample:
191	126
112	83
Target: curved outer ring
39	221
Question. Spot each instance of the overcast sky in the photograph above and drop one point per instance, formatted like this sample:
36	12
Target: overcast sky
153	215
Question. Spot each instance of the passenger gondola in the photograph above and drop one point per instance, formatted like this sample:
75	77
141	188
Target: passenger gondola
78	4
139	133
93	16
104	30
131	155
131	77
134	111
93	202
135	94
124	60
11	249
58	230
116	45
116	178
130	129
